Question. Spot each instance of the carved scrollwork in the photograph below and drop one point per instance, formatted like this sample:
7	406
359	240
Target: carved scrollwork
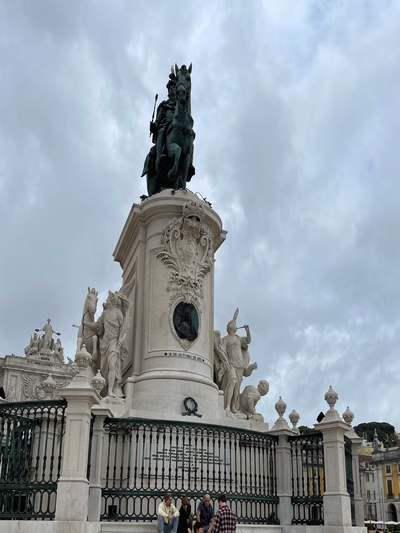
32	386
188	250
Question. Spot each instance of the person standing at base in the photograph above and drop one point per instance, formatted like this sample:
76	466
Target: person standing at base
225	518
168	516
205	514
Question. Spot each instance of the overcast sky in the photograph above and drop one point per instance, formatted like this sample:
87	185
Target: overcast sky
297	111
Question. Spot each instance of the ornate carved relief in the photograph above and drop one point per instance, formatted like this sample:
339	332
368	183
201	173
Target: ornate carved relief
188	251
32	386
11	396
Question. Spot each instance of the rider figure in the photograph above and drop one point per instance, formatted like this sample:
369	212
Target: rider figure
165	115
158	128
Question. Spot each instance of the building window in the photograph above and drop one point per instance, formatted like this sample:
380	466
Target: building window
368	494
387	469
374	495
389	487
372	478
367	477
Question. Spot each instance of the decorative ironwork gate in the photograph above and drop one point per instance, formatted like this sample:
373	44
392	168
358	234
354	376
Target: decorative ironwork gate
308	478
31	436
146	458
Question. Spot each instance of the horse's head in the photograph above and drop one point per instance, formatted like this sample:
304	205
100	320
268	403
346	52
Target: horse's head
91	301
183	81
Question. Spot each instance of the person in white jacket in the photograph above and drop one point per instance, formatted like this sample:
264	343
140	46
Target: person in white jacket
168	516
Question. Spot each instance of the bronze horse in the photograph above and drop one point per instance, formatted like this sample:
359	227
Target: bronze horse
175	167
180	137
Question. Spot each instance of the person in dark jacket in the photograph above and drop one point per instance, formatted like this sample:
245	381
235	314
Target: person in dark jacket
205	514
185	516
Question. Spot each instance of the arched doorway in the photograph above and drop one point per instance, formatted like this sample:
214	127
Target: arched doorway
391	513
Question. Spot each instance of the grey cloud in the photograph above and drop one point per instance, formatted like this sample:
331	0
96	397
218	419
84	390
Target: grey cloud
296	120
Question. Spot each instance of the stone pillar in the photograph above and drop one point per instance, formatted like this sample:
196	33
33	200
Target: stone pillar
337	508
101	414
167	246
358	501
356	441
73	486
283	465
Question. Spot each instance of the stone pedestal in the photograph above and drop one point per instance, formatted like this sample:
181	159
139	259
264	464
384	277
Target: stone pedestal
167	246
337	511
283	472
358	501
101	413
73	486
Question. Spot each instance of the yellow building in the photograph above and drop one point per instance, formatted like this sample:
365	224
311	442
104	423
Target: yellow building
387	463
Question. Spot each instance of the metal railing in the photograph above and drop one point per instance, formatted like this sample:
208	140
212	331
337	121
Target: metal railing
146	458
31	438
308	478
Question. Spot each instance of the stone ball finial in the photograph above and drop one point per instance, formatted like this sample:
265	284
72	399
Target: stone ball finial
49	386
294	418
348	416
331	397
280	407
98	382
82	358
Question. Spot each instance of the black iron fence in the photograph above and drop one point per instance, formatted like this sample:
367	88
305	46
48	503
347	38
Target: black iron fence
146	458
308	478
31	439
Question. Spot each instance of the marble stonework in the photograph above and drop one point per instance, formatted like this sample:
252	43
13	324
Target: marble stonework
22	377
231	361
188	251
249	398
167	246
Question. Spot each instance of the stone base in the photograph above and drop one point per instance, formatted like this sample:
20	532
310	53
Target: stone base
108	400
23	526
323	529
167	249
72	495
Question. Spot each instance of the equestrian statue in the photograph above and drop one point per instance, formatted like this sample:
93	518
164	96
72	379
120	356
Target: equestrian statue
169	163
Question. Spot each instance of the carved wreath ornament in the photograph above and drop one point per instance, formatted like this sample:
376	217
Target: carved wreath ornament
188	250
191	407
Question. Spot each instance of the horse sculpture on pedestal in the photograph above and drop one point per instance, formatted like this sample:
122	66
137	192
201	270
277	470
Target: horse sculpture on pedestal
173	167
87	338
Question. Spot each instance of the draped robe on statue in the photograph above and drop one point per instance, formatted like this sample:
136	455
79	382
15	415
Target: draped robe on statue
110	324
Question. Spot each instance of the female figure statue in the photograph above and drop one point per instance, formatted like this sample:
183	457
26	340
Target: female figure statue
236	364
